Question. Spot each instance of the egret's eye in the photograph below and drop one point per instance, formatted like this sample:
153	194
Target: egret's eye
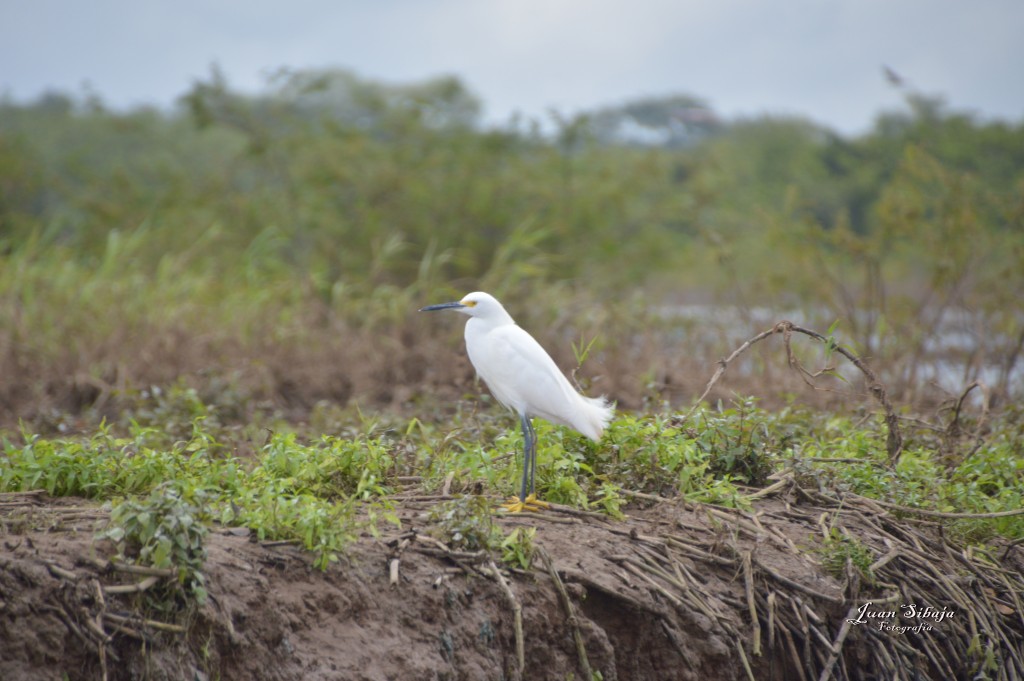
469	303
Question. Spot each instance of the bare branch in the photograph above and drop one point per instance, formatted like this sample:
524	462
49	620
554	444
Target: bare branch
894	441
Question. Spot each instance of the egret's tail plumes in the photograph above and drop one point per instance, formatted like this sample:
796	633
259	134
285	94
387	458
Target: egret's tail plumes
592	416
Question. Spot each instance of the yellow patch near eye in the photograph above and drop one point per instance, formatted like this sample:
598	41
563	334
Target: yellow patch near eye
469	303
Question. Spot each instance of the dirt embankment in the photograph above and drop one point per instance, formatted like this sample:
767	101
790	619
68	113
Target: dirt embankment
676	591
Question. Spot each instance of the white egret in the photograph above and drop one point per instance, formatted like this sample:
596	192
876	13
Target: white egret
524	378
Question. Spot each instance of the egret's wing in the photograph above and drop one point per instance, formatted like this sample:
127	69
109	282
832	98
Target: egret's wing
521	374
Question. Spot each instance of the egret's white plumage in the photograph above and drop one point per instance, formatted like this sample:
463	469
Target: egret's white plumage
522	376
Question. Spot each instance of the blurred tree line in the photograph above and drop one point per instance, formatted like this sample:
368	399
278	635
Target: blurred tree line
356	179
366	199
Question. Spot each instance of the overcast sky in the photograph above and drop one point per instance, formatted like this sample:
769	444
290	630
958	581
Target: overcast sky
817	58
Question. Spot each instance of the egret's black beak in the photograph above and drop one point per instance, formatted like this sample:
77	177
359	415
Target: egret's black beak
442	306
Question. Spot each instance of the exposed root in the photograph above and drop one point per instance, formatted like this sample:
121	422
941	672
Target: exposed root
581	649
517	615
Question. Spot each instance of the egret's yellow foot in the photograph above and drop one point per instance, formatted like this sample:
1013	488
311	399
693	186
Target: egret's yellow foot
530	503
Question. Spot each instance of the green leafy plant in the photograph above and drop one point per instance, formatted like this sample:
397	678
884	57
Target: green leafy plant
517	547
739	443
841	551
331	467
163	530
609	500
465	523
323	527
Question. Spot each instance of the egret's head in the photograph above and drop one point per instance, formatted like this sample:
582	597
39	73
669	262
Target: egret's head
476	304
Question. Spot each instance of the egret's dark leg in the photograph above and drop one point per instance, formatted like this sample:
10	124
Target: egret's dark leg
526	500
528	446
533	455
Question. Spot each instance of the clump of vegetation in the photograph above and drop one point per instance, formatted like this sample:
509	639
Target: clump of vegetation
841	454
739	443
840	553
465	523
166	531
322	527
329	468
518	547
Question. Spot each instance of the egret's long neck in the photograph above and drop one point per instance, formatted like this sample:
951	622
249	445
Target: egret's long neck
478	327
494	318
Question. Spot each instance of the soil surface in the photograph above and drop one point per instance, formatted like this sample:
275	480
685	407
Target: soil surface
675	591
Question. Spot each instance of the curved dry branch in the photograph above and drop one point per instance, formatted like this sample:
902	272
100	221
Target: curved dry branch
894	440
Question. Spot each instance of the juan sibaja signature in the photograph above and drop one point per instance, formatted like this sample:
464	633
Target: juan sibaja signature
889	620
